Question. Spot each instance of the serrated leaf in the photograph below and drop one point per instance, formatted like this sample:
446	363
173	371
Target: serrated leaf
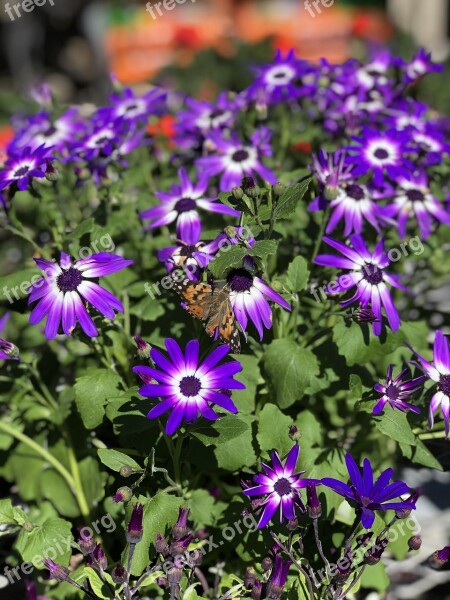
263	248
220	432
298	274
273	430
230	257
91	393
52	539
288	202
14	286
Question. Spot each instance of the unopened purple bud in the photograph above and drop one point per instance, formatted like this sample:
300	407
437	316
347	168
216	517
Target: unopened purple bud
440	559
180	529
202	534
134	529
404	513
256	590
175	575
119	574
9	349
365	315
143	347
56	571
414	542
180	546
161	545
162	582
373	556
294	433
313	503
51	173
292	524
123	494
250	578
266	563
86	542
97	558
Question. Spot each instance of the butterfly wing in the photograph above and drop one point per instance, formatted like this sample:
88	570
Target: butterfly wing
197	296
222	318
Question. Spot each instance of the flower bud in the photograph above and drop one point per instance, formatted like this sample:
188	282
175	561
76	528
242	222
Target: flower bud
331	192
51	173
415	542
123	494
134	529
373	555
266	563
256	590
162	582
119	574
86	542
161	545
126	471
292	524
175	573
364	315
439	559
279	189
250	578
97	558
313	503
237	193
56	571
180	529
294	433
405	512
143	347
9	349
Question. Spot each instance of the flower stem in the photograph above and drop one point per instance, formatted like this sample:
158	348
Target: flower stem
78	485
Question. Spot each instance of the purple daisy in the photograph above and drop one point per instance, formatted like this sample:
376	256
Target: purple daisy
129	107
395	391
234	159
279	487
439	371
191	257
202	117
382	153
7	350
23	165
413	199
181	203
367	494
431	144
67	287
189	386
248	296
419	66
368	274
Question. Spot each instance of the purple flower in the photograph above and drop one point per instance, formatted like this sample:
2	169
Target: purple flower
279	486
40	130
395	391
248	296
235	159
332	173
189	385
56	571
413	199
191	257
7	350
369	496
42	94
127	106
181	203
382	153
23	165
135	528
368	274
439	371
419	66
67	287
431	144
278	577
201	117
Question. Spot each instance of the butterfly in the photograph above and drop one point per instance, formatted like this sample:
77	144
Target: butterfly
212	305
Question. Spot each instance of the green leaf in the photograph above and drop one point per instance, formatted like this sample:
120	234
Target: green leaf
150	309
288	202
203	508
151	578
420	455
250	376
15	286
11	515
91	392
291	369
311	440
52	540
375	578
298	274
230	257
394	424
191	592
263	248
99	587
55	488
222	431
273	430
85	227
116	460
237	452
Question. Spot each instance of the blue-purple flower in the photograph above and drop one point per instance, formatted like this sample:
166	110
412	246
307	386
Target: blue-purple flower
368	495
279	487
191	257
41	130
188	385
278	577
248	296
234	159
395	391
68	288
24	165
419	66
127	106
181	203
201	117
7	350
368	274
439	371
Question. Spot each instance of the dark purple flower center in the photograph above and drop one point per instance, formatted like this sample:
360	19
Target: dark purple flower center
216	113
69	280
392	392
185	204
444	384
372	274
240	280
102	141
381	153
21	171
131	107
50	131
355	191
187	250
415	195
240	156
282	487
190	386
365	501
279	75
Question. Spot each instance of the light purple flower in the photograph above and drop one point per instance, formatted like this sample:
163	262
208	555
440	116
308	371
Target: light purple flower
23	165
439	371
419	66
181	203
66	290
395	391
368	274
189	385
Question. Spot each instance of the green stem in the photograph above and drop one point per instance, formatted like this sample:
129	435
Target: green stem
321	232
78	485
176	458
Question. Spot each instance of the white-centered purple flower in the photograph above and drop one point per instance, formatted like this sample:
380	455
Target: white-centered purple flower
414	200
234	159
126	106
368	274
188	385
68	288
367	494
419	66
382	153
439	371
200	116
181	203
7	350
191	257
23	165
248	296
279	487
395	391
